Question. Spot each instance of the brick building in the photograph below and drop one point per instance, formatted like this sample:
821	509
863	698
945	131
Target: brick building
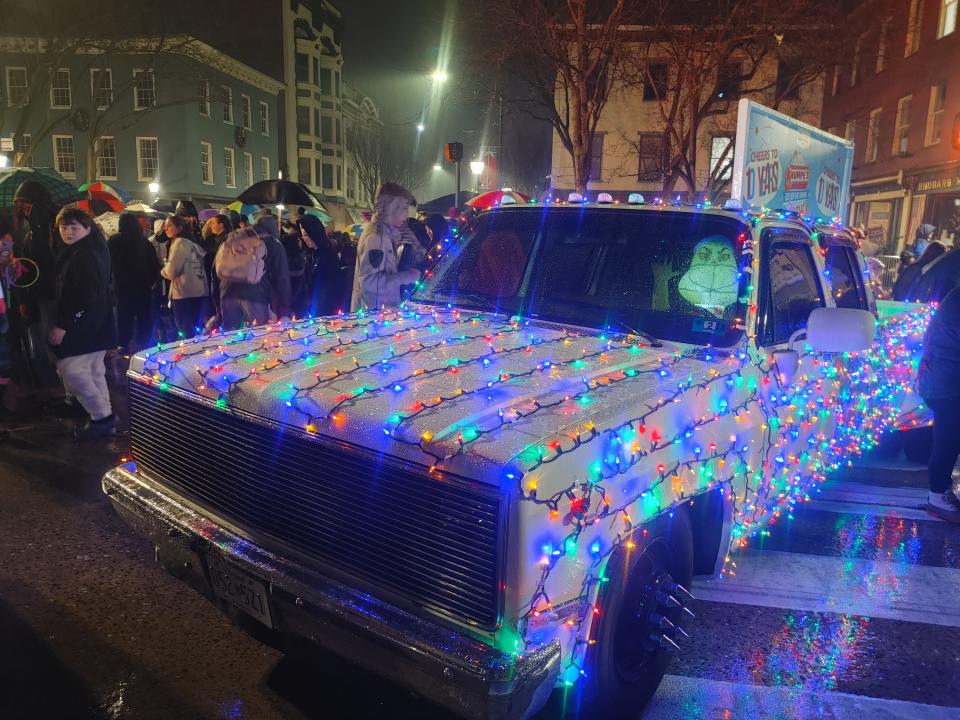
898	99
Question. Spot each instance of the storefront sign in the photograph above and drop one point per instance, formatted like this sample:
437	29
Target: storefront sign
943	180
782	163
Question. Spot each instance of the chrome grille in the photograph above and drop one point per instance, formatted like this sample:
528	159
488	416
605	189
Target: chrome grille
434	542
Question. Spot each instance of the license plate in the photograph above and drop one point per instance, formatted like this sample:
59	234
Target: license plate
239	589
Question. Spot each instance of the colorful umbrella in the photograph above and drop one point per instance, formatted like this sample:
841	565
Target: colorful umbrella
319	214
207	214
61	190
243	208
497	197
109	222
102	187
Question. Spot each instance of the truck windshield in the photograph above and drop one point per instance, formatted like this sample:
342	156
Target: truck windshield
667	274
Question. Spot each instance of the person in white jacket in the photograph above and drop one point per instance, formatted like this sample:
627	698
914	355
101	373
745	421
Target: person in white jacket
188	279
377	280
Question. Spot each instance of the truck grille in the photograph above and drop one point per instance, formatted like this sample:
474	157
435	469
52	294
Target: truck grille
434	542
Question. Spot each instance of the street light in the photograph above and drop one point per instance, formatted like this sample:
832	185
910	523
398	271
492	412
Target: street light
439	76
476	167
4	161
421	127
437	167
154	188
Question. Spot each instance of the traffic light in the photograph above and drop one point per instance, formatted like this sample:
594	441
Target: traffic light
454	152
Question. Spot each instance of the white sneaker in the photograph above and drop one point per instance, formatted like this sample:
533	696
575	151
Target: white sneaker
944	505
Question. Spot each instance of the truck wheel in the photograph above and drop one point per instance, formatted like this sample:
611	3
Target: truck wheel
641	609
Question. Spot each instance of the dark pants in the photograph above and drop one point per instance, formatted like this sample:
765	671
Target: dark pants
135	312
946	442
188	315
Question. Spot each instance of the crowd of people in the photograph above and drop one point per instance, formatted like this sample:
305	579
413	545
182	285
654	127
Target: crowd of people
77	297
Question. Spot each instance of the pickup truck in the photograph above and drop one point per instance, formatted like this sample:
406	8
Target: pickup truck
505	485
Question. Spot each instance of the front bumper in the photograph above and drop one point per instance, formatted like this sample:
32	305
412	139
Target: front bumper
458	672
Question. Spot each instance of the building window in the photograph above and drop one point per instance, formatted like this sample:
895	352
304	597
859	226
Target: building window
850	131
64	159
650	146
245	112
882	46
339	178
229	167
873	136
835	87
264	118
304	166
721	158
596	158
206	168
106	149
303	120
248	169
938	98
336	136
728	81
901	134
302	68
22	150
148	158
655	82
101	87
265	168
336	84
326	81
60	89
226	100
144	90
914	22
204	98
16	85
855	65
351	179
327	176
948	18
326	129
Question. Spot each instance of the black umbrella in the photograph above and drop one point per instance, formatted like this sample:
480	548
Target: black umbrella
936	279
279	192
443	203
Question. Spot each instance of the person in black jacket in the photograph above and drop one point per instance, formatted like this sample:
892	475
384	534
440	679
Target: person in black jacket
905	280
136	271
84	326
938	382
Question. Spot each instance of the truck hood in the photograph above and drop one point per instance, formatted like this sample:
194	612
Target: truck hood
478	394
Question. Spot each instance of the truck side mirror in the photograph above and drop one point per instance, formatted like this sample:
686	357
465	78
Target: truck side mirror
841	329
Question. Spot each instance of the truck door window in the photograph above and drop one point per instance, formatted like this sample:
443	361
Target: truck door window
792	287
842	270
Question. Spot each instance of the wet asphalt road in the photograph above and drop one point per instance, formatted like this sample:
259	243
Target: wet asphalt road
92	628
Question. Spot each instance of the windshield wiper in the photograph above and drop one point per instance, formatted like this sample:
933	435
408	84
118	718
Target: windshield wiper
651	340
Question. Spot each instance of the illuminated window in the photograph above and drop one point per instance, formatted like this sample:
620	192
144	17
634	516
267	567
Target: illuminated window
873	136
914	22
938	98
948	18
901	134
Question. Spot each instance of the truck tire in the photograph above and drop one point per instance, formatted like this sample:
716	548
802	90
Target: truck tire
629	658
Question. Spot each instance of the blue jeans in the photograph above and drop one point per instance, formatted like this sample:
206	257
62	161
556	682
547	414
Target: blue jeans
235	313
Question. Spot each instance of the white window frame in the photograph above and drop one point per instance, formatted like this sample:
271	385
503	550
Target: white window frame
26	86
98	147
715	160
948	18
933	114
914	25
246	112
248	169
205	98
226	104
60	106
207	148
872	149
140	175
71	175
230	169
264	119
265	167
26	140
902	127
850	130
106	72
136	93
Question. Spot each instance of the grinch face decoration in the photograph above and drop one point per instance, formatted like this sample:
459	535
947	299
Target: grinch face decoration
711	280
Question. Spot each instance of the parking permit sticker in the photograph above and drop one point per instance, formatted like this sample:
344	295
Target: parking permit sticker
703	325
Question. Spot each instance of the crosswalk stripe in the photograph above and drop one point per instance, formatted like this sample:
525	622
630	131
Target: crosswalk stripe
705	699
872	588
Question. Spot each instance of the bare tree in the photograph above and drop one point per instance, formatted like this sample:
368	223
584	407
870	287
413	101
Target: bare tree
380	155
568	53
695	66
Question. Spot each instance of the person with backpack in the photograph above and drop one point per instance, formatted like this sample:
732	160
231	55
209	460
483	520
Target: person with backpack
252	269
83	328
188	279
